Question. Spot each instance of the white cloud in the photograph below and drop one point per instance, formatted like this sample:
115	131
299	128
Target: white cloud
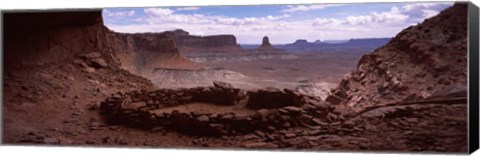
355	20
158	11
430	13
187	8
118	13
419	11
303	8
392	17
325	21
405	15
160	15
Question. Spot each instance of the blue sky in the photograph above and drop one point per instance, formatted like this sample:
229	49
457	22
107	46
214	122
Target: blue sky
282	23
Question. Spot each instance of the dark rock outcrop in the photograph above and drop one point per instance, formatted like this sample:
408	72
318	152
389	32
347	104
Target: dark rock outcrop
419	61
273	98
265	42
266	46
31	42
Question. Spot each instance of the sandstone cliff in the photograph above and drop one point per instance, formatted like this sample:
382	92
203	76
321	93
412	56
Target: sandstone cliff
205	44
420	61
144	52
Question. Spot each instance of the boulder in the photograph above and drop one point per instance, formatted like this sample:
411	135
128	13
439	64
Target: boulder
223	85
89	69
98	63
91	55
203	118
271	98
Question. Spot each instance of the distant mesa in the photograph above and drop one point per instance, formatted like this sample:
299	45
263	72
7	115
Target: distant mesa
191	44
300	42
180	32
365	44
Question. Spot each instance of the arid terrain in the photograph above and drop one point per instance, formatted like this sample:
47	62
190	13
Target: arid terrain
70	81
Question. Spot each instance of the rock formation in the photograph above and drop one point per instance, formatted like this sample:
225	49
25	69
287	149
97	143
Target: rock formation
266	46
57	63
34	43
265	42
205	44
144	52
419	61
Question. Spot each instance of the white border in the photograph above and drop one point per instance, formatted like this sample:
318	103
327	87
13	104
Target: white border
83	151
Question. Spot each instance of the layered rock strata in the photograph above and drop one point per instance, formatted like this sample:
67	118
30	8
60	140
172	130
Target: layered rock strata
190	44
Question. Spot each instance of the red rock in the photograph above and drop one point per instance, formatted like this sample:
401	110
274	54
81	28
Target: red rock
319	122
89	69
260	145
222	85
292	109
98	63
50	140
290	135
203	118
409	64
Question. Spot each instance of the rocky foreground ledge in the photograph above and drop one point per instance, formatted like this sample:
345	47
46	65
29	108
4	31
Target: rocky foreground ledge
272	118
224	110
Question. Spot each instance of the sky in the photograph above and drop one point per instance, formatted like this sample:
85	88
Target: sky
281	23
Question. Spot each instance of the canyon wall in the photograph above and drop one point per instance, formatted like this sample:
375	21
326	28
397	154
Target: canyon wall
145	52
205	44
420	61
32	42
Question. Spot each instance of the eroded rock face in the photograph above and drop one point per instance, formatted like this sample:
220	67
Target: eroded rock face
141	53
205	44
157	42
207	41
419	61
